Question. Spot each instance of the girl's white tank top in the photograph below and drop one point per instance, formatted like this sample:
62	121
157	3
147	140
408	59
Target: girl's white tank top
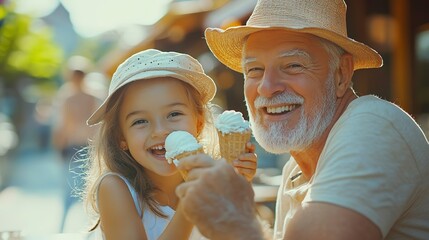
154	225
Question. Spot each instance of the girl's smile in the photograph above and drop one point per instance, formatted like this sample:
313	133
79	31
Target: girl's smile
151	109
158	151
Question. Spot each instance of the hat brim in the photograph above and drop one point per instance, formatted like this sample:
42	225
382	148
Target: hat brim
227	45
201	82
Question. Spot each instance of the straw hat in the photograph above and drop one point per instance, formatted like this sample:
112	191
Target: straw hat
153	63
323	18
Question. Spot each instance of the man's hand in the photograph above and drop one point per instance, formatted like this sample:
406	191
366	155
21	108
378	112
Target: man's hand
217	200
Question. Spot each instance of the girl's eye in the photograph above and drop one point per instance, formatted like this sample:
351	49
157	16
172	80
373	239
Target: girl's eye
140	121
175	114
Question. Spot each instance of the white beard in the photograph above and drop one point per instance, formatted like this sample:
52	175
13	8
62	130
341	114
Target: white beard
275	137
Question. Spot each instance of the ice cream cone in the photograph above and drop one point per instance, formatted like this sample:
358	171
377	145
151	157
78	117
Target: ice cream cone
184	173
233	144
180	144
234	132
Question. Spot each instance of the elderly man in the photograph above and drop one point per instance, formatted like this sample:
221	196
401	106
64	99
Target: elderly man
359	166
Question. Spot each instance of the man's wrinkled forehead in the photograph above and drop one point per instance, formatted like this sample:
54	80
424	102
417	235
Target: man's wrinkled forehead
296	52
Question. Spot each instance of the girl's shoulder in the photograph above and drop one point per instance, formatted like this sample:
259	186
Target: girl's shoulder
116	189
111	182
116	206
111	176
113	187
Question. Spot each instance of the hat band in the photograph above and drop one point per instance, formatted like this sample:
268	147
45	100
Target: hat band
294	22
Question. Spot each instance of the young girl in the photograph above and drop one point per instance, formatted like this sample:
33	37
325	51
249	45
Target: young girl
130	185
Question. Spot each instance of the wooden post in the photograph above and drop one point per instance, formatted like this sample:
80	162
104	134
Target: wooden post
401	59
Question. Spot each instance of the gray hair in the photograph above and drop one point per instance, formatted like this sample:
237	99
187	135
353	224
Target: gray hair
334	51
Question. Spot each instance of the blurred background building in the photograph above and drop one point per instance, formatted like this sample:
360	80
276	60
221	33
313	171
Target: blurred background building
38	36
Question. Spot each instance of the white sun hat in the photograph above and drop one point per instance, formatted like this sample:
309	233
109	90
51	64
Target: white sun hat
152	63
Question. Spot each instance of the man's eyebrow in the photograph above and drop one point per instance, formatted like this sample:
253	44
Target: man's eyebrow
295	52
248	60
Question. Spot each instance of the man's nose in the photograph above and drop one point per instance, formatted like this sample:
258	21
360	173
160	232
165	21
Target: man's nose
270	84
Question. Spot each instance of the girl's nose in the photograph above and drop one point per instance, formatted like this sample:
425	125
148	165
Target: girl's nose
160	129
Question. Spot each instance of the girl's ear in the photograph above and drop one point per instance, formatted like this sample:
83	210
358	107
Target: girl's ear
200	125
123	145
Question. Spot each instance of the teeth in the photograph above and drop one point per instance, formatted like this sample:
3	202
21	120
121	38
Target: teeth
281	109
158	147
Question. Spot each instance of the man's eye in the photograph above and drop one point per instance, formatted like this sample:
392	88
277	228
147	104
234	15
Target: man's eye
295	65
254	69
254	72
294	68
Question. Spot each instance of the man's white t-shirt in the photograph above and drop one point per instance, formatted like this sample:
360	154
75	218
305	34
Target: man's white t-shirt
375	162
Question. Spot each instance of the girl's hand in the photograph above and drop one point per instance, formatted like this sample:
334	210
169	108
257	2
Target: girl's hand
246	163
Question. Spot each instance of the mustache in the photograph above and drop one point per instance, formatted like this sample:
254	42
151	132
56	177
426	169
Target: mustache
283	98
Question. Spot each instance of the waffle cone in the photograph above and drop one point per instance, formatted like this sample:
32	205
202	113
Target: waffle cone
233	144
184	173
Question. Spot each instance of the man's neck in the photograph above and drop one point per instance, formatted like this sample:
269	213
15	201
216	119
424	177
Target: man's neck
307	160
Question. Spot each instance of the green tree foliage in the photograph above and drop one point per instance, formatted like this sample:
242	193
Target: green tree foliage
27	48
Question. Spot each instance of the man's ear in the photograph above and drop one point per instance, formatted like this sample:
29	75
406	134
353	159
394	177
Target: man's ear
343	78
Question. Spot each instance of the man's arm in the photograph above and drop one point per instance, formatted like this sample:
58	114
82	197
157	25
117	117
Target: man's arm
317	220
217	200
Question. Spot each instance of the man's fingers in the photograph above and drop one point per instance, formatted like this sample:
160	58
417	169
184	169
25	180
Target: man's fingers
248	173
183	189
195	161
195	173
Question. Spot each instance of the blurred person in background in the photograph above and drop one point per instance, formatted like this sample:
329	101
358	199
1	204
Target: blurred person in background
43	117
8	142
359	166
75	102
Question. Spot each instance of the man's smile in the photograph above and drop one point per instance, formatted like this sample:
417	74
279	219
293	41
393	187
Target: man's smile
281	109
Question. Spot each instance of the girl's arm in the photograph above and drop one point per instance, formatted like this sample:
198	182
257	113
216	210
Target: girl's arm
178	228
246	163
119	218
